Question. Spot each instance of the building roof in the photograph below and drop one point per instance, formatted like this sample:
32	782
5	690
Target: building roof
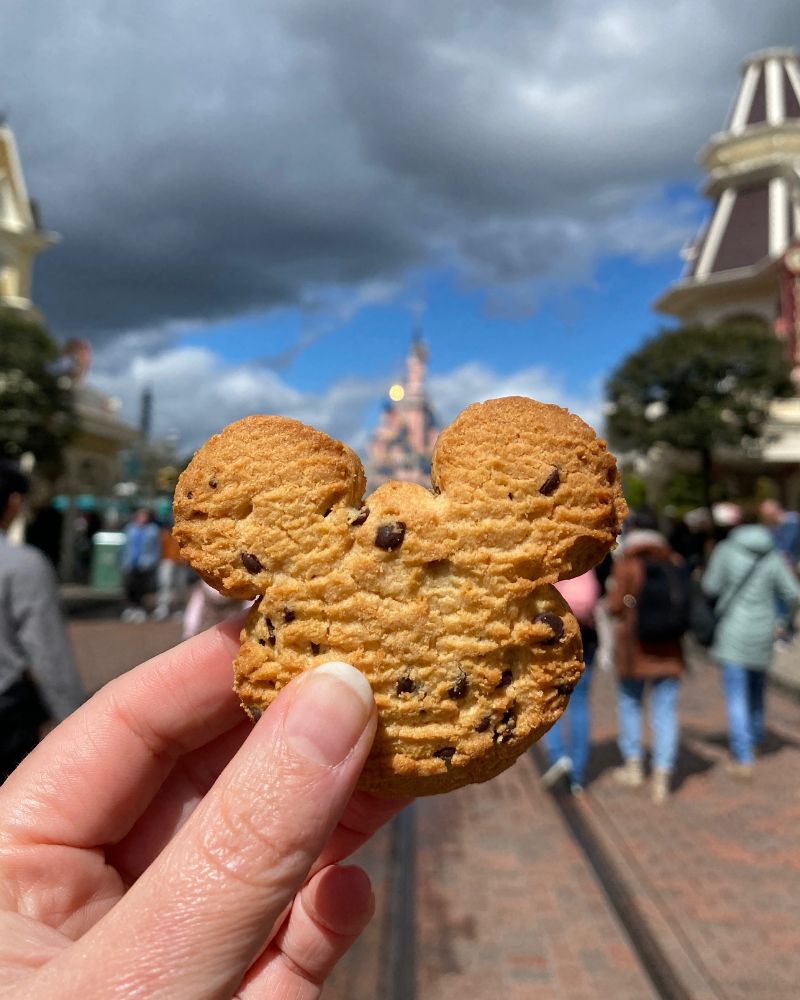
753	169
769	93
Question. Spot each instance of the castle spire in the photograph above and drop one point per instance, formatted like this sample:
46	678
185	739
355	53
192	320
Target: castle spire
402	444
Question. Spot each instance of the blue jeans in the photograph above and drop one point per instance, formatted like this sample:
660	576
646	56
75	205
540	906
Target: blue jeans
569	737
744	700
663	719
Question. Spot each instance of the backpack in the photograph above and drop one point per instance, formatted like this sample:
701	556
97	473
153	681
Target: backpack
663	603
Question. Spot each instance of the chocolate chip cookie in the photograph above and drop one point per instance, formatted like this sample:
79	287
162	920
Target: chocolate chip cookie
442	597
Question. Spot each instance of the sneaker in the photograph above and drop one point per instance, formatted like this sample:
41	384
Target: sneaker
631	774
562	768
659	788
740	771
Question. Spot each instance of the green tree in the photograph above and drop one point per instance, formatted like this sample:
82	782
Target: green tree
698	389
36	408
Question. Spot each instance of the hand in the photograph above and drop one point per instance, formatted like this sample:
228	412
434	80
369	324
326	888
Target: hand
156	844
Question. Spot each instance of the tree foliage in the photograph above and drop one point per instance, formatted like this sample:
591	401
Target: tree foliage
698	389
36	408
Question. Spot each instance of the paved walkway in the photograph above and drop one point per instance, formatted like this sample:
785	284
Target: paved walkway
499	897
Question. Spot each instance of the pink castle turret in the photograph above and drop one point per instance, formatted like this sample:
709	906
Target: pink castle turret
402	444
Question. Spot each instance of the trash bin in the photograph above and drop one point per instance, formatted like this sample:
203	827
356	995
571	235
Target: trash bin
106	567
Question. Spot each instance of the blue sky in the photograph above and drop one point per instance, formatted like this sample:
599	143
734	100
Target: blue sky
577	334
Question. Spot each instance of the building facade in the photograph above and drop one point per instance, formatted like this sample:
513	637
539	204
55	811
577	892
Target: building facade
92	460
745	261
21	237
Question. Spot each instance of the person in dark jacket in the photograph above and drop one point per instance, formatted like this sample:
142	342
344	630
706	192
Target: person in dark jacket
642	666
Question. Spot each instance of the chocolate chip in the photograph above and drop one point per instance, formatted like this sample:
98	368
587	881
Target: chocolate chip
504	732
314	648
459	689
506	678
251	563
189	495
550	485
253	712
288	615
565	689
327	511
436	490
359	518
212	483
484	724
445	753
553	622
405	685
390	536
262	642
270	632
510	496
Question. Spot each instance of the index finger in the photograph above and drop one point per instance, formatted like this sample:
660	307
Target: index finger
89	781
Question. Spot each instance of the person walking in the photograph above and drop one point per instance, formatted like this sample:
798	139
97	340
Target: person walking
38	677
568	741
745	575
648	595
171	571
140	558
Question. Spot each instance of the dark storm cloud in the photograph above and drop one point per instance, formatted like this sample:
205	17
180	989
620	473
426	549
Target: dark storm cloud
203	160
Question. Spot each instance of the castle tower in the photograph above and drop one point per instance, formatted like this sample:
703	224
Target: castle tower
21	237
402	444
745	260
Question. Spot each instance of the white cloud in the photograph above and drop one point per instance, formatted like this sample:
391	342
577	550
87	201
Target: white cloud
292	152
196	394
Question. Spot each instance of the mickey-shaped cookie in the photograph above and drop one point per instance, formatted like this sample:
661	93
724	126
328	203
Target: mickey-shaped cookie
442	597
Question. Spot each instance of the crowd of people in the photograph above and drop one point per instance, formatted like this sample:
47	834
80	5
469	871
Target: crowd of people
636	612
726	580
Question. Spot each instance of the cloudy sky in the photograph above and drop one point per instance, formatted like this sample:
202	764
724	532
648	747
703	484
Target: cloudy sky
257	200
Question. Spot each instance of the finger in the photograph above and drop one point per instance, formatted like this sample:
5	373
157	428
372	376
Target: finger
91	778
194	922
364	815
182	791
192	777
328	915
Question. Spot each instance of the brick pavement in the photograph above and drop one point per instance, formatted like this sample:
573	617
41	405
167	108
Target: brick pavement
107	647
715	872
506	903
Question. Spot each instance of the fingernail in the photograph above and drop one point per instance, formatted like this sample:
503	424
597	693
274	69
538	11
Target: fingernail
329	712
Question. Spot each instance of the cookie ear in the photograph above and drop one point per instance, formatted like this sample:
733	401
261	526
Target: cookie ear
534	481
267	496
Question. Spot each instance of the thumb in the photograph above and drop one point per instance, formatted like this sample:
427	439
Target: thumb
201	913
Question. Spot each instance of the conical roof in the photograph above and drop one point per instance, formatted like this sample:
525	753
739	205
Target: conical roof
769	93
753	169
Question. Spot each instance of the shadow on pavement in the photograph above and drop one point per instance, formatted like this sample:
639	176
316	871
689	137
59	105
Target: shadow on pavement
606	756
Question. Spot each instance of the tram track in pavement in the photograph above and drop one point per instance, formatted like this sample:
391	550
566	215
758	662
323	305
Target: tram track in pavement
652	946
398	961
664	975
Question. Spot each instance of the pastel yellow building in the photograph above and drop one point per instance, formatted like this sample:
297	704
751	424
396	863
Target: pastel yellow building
21	237
92	461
